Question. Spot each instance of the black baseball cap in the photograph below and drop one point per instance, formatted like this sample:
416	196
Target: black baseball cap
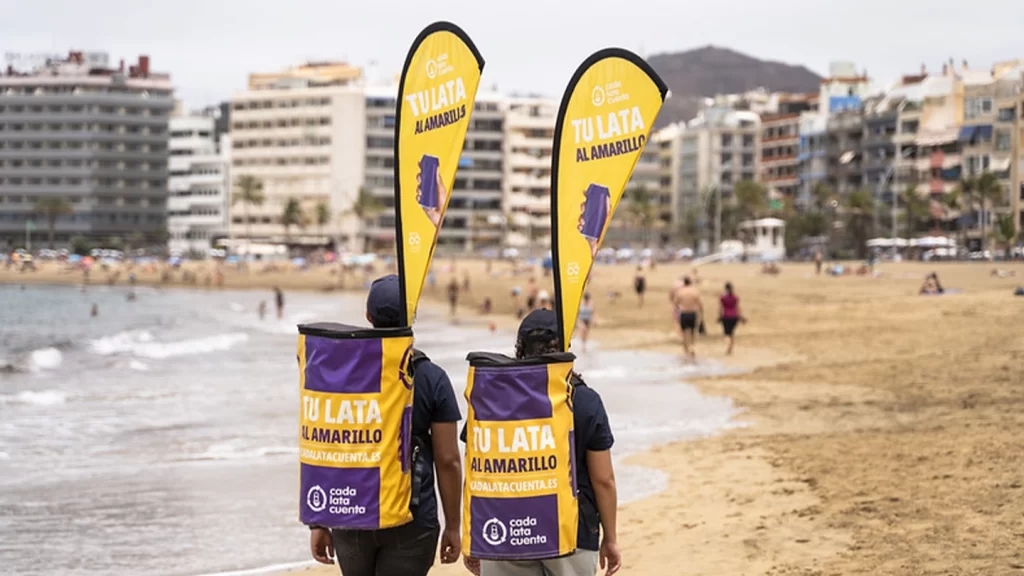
384	303
541	324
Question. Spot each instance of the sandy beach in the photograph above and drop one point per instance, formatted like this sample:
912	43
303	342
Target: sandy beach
883	430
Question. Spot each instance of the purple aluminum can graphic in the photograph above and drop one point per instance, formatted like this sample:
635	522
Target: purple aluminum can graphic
428	182
595	216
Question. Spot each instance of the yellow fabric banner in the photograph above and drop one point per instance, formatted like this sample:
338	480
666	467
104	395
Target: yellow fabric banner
603	124
435	100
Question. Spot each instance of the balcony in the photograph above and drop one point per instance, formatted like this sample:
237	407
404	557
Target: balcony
528	161
516	120
521	181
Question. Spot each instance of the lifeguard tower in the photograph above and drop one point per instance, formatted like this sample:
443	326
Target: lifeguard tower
764	239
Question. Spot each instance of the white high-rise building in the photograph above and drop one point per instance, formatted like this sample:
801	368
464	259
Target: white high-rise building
199	194
302	134
529	138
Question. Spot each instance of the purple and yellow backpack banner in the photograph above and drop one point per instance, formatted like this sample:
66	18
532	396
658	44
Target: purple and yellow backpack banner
519	499
436	95
602	127
355	426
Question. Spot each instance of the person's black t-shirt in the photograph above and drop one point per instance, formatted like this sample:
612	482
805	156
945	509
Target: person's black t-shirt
433	401
594	434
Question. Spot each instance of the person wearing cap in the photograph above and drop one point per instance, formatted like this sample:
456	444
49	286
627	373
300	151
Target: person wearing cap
409	550
595	475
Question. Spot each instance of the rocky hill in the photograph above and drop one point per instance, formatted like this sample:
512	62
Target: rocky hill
708	71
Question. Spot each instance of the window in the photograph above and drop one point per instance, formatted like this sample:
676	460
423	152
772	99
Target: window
1007	114
977	107
1002	141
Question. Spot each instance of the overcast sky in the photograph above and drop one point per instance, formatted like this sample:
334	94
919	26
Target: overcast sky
209	46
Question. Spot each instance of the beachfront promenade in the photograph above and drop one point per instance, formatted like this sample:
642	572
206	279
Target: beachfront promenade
884	426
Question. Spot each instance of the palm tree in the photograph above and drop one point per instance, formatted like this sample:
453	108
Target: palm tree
751	198
364	207
952	202
249	190
860	209
51	208
641	209
323	216
1005	233
916	208
990	193
292	216
822	194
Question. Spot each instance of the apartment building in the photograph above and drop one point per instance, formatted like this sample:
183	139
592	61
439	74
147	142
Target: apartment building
471	223
199	186
77	129
379	165
1017	167
845	171
528	142
670	143
302	133
988	132
780	142
812	155
718	149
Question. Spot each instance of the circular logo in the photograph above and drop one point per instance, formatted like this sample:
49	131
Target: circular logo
403	368
316	499
495	532
597	96
414	239
431	69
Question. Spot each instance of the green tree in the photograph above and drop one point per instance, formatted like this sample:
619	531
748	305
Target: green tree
751	199
365	207
1005	234
916	209
323	216
823	196
640	207
51	208
859	210
990	194
292	216
248	191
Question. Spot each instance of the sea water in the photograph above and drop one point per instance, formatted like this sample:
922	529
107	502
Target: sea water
159	437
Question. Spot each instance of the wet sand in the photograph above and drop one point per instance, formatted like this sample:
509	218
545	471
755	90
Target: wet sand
886	426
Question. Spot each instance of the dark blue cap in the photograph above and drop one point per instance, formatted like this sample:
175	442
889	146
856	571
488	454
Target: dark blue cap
384	303
541	324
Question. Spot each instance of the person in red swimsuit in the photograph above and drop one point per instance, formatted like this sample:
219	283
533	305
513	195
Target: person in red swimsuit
729	314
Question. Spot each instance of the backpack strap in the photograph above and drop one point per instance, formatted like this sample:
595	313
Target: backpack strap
417	357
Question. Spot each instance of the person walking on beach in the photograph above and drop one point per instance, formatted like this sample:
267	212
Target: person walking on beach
409	550
586	318
595	475
263	309
817	262
531	295
640	284
686	303
729	314
279	300
453	295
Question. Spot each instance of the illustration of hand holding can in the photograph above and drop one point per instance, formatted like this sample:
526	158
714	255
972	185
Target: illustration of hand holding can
594	211
430	191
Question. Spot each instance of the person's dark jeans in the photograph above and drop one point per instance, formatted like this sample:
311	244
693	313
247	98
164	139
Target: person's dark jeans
402	551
